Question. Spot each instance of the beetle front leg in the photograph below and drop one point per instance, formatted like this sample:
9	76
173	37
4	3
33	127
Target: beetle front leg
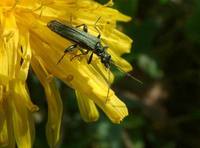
82	53
68	49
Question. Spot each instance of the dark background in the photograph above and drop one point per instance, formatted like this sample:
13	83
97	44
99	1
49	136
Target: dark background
165	110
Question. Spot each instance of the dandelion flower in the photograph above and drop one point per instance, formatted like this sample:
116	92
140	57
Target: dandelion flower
26	42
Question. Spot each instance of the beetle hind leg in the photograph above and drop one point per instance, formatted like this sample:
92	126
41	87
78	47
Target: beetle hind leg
82	53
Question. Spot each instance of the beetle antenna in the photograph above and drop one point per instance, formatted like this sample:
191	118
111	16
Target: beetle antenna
109	85
127	74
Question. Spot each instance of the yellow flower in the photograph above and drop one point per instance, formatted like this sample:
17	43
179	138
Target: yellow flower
27	41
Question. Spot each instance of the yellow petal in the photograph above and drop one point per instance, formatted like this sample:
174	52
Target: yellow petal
87	108
25	53
4	62
3	128
11	40
54	102
23	123
6	132
118	42
121	63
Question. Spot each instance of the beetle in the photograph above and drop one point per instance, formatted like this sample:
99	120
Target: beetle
83	40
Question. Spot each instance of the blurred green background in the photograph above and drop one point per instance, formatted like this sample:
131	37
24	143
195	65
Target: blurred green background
165	110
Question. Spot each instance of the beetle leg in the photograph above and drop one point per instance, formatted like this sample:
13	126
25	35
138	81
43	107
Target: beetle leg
82	53
85	28
90	59
68	49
